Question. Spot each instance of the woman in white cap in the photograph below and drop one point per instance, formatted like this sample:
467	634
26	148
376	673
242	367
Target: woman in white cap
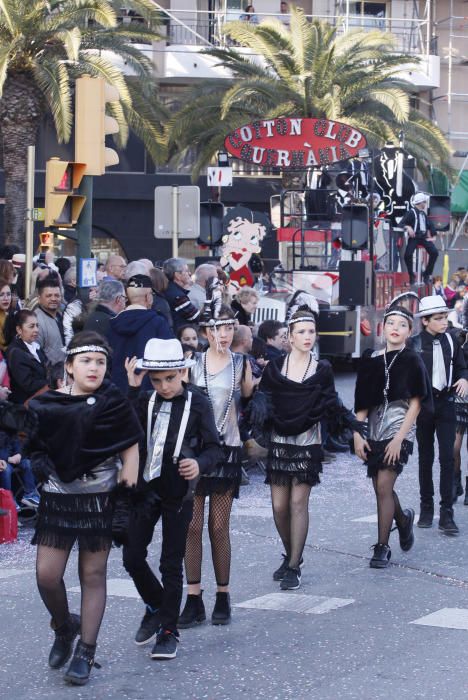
391	384
445	363
224	376
421	232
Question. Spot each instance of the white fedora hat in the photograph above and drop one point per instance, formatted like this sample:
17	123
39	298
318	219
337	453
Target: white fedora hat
432	305
419	198
162	355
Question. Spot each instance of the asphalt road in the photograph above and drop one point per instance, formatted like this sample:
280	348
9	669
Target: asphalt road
350	632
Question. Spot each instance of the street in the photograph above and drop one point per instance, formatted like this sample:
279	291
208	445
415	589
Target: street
350	632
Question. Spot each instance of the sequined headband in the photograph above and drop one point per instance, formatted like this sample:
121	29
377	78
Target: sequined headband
399	312
215	322
301	318
87	348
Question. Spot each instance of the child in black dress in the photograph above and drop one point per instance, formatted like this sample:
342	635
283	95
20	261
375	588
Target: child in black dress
391	384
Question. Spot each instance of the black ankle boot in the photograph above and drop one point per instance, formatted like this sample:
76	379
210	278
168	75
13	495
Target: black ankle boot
63	644
193	612
465	502
81	664
222	610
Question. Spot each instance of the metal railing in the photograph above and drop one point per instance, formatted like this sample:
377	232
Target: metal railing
202	27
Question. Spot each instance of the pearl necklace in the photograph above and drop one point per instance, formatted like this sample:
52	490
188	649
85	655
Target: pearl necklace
387	378
220	426
305	373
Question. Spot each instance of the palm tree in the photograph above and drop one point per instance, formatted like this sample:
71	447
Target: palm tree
44	46
310	70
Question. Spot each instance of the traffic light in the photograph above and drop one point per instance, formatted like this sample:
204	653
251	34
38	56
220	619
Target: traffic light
62	205
92	124
46	240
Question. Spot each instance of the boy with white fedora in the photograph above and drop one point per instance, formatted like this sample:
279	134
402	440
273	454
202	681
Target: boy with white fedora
181	442
421	232
445	363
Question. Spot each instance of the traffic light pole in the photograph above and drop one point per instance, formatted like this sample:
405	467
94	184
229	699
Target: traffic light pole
85	223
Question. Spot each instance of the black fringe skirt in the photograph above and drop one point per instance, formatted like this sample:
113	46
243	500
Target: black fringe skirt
225	477
375	459
461	411
298	464
64	519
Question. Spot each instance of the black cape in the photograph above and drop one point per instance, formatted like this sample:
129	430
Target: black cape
408	379
295	407
76	434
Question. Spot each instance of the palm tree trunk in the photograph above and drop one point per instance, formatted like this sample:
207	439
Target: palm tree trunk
20	117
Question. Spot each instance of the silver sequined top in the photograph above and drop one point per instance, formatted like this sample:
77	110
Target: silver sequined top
102	479
394	417
312	436
220	388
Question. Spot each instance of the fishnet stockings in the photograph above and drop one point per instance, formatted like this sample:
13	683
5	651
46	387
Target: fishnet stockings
219	513
92	568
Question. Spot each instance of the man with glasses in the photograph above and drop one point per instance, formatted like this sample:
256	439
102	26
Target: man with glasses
115	268
182	309
131	329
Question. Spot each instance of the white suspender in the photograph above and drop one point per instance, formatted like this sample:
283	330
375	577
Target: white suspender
450	340
182	428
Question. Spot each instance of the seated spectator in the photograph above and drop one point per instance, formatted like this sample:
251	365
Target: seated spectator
27	363
275	336
450	292
111	300
188	336
160	303
10	457
245	305
437	287
455	317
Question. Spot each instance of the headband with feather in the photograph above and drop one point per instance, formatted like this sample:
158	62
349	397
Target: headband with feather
302	301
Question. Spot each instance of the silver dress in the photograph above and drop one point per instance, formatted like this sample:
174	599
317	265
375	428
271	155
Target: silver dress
78	511
226	475
382	428
297	457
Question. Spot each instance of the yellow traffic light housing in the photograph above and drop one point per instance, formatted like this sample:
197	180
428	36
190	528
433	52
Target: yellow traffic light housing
62	206
92	124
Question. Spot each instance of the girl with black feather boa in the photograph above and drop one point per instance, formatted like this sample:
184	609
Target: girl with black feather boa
83	429
391	385
297	392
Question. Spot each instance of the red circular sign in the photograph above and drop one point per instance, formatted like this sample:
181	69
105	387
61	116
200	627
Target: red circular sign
294	143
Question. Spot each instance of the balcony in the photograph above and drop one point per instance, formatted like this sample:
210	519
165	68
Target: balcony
186	33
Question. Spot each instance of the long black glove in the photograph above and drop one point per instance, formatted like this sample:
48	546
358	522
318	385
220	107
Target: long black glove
123	498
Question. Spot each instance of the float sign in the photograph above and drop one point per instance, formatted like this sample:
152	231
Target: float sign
294	143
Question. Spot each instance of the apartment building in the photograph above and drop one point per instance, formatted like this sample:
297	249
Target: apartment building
433	31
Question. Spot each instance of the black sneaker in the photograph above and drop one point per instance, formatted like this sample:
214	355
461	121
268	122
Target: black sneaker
148	627
165	646
425	517
291	580
381	557
447	524
406	532
279	573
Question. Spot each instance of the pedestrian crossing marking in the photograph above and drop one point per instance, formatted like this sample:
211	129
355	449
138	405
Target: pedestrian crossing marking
296	602
121	587
253	512
373	518
449	618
